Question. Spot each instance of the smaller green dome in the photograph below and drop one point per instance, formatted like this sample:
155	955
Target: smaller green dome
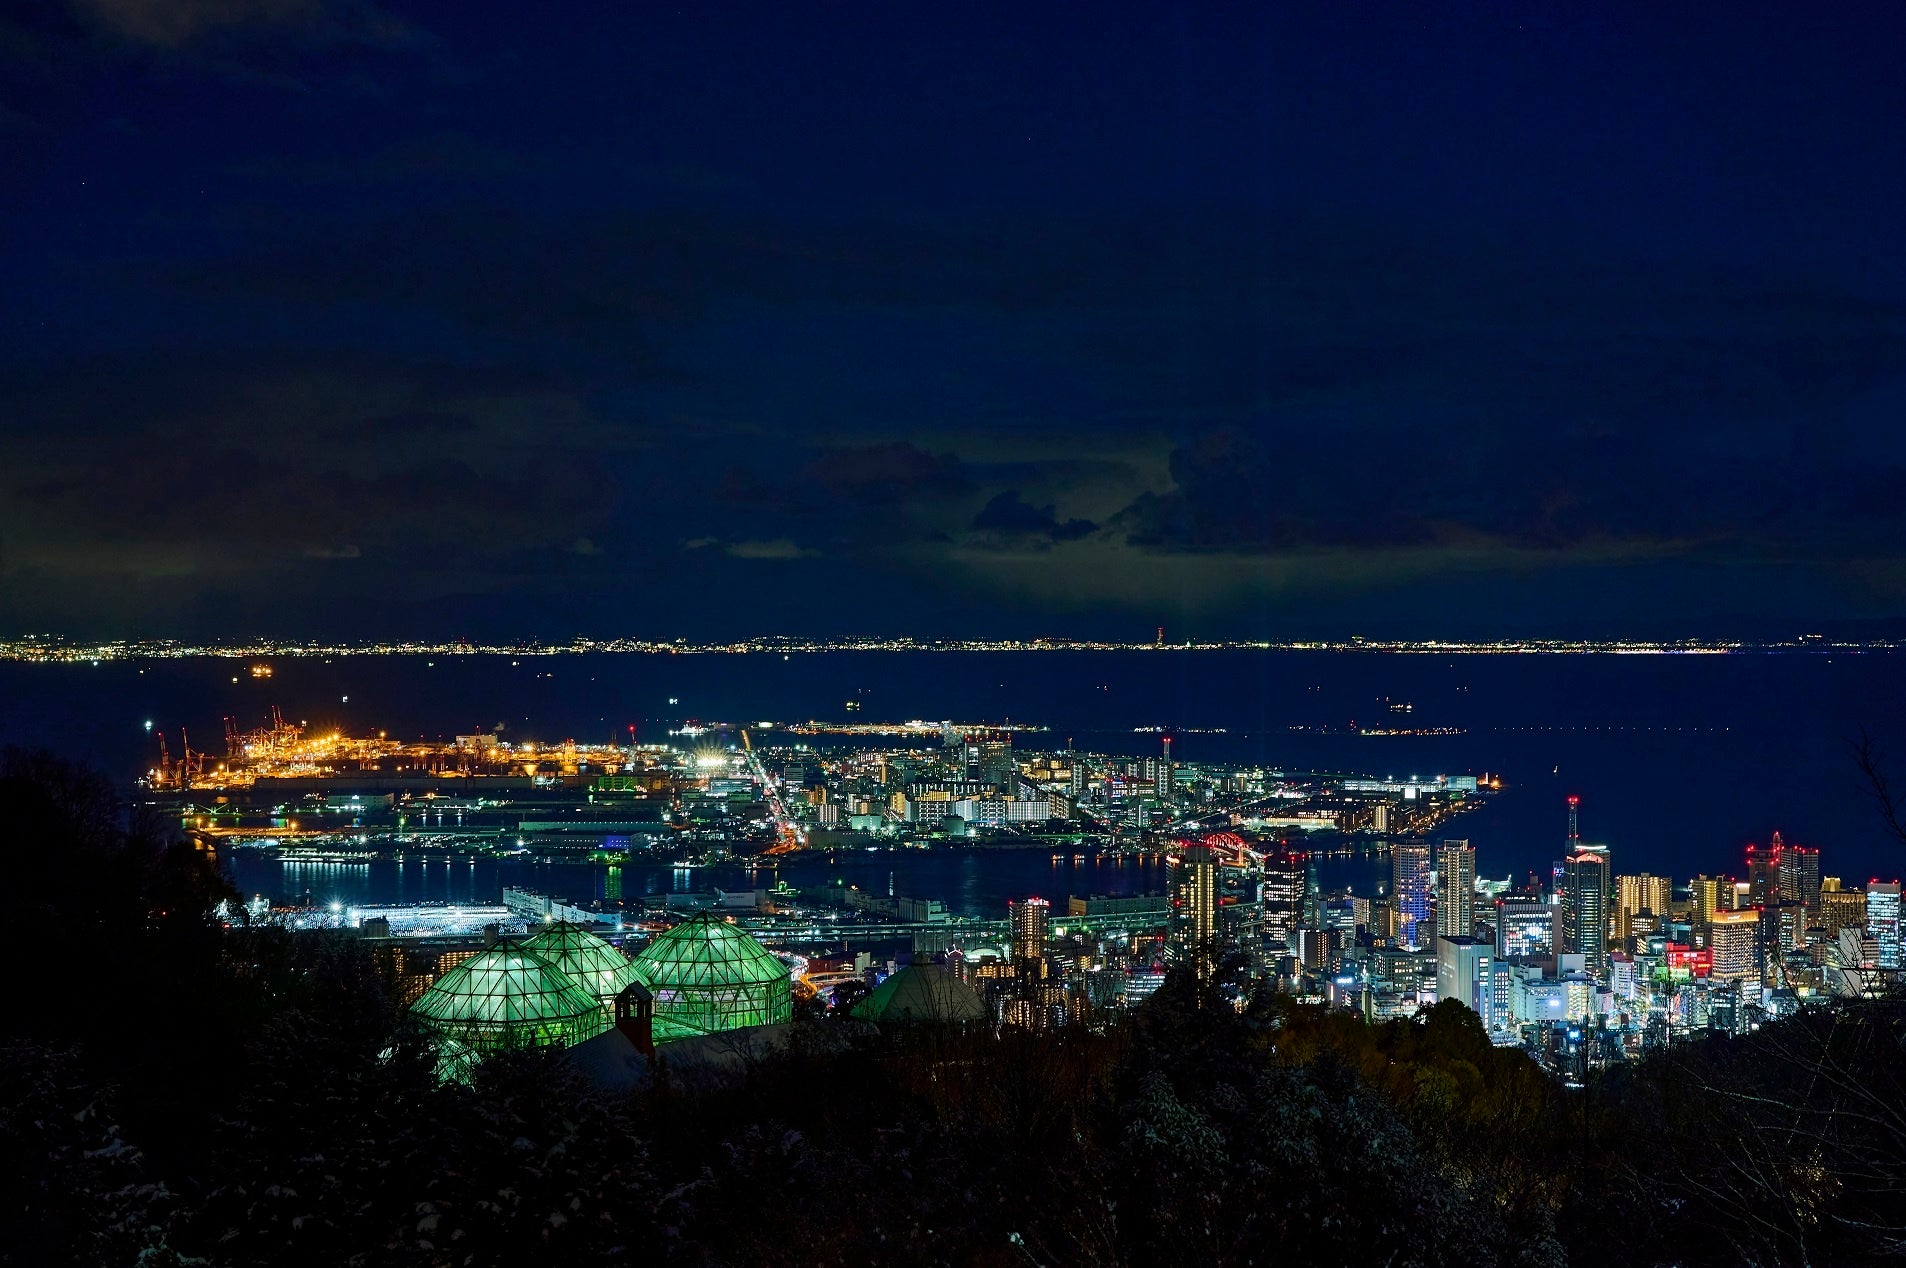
922	992
509	996
591	963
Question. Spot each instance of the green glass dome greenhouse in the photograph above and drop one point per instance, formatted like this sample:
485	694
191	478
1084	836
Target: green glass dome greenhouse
509	997
708	976
922	992
591	963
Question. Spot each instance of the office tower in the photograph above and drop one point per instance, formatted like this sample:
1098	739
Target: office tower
1239	928
1456	889
1585	910
1167	781
1882	921
1574	843
1410	888
1081	776
1842	908
1800	879
1157	771
989	759
1779	872
1464	974
1286	893
1774	927
1635	895
1198	904
1734	942
1704	899
1763	874
1525	928
1027	918
1385	926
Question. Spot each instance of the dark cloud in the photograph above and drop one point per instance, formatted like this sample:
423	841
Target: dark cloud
173	24
422	424
124	476
1620	489
1007	515
885	474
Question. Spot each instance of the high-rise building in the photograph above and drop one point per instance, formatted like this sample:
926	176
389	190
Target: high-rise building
1882	921
1027	918
1313	947
1410	889
1287	895
1841	908
1763	873
989	759
1800	879
1464	974
1585	910
1705	894
1455	889
1734	943
1525	928
1635	895
1198	905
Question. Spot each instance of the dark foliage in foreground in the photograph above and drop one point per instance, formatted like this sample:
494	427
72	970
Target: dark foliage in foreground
174	1093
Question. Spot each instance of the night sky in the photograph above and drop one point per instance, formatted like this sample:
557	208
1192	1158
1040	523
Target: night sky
327	318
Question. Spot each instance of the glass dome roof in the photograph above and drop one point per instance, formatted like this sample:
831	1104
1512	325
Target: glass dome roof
591	963
922	992
706	976
509	996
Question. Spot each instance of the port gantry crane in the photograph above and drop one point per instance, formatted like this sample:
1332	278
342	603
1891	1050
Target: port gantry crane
192	765
788	837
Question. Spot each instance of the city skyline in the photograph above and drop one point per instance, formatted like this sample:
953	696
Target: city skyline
953	635
58	647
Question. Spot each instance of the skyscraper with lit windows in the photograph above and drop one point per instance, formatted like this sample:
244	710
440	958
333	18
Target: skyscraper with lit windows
1027	918
1734	943
1635	895
1286	893
1410	888
1585	910
1198	905
1882	921
1455	889
1800	879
